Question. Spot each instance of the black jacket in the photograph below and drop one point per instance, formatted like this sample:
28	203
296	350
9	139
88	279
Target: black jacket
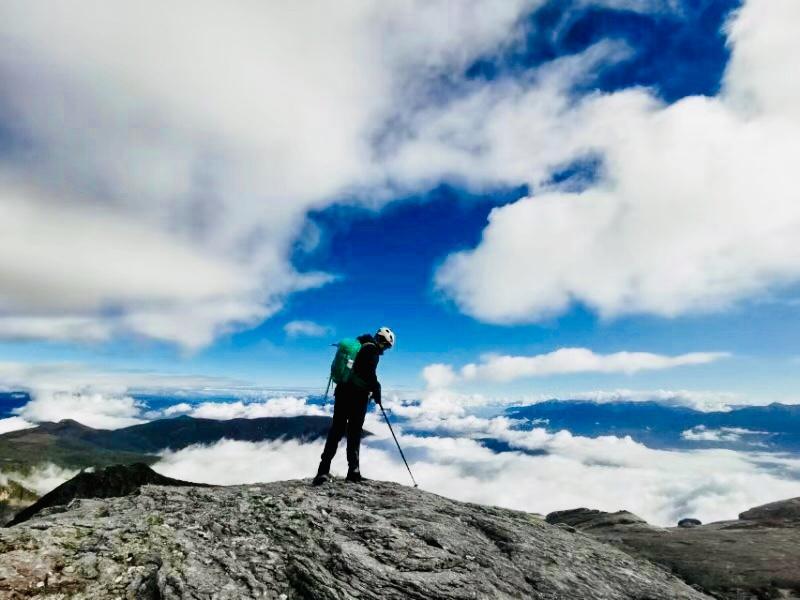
365	376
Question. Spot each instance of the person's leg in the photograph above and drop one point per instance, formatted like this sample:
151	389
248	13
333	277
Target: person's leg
335	433
354	426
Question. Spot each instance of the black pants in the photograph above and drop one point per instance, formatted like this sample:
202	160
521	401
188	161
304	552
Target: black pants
349	410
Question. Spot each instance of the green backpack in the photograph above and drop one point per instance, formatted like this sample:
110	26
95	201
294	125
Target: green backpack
342	365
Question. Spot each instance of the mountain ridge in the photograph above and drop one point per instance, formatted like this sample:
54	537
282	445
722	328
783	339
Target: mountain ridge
70	444
74	446
774	427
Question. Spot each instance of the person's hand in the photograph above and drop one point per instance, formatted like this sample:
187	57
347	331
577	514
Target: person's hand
378	401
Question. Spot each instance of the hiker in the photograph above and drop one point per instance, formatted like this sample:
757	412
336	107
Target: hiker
351	398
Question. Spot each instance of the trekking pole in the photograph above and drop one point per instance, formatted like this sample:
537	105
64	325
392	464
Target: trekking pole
327	389
330	378
398	445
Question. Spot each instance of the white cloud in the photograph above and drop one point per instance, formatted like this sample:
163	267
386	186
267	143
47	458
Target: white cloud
230	462
170	155
704	401
181	408
65	376
41	478
607	473
104	399
503	368
13	424
580	360
638	5
306	329
439	407
440	403
92	408
441	398
81	329
439	375
61	287
701	433
161	158
694	209
282	406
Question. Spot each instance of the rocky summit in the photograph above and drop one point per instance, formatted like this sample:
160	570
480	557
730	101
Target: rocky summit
289	540
754	557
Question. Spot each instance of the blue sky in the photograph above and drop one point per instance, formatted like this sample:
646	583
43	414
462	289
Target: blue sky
384	240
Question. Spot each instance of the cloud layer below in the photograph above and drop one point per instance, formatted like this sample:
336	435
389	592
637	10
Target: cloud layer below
607	473
446	445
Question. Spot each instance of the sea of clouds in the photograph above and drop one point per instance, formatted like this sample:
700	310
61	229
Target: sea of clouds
608	473
543	470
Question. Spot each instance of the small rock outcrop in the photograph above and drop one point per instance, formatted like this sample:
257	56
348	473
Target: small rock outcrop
288	540
689	522
111	482
753	558
781	513
587	519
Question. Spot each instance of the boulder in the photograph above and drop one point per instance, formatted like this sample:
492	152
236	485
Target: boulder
589	519
689	522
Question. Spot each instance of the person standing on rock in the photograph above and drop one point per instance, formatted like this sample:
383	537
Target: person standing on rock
350	405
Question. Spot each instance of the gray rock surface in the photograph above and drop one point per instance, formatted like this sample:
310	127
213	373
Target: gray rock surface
755	557
288	540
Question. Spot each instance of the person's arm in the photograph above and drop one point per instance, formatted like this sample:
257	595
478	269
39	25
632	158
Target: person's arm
370	356
376	393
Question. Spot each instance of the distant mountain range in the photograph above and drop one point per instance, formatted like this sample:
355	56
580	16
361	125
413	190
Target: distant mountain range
71	445
772	428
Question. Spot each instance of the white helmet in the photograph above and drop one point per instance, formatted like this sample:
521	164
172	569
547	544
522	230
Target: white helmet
386	335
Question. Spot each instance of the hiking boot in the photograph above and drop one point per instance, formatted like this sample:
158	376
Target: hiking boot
354	477
320	479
